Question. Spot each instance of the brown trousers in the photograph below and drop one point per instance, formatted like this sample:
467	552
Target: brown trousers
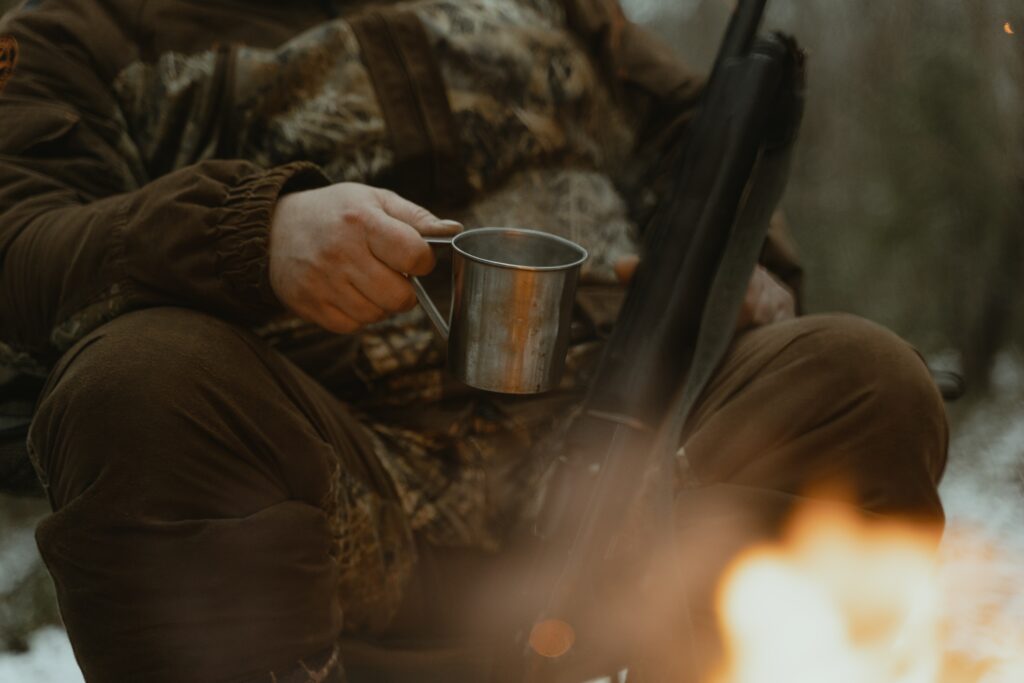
191	467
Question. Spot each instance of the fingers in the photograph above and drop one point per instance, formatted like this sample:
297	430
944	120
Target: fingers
424	222
445	228
766	301
353	303
384	287
345	308
321	311
397	244
780	302
338	253
402	209
748	310
335	320
394	234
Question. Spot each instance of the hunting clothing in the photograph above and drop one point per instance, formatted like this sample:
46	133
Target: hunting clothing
234	488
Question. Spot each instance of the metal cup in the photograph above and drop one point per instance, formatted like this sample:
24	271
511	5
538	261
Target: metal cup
512	298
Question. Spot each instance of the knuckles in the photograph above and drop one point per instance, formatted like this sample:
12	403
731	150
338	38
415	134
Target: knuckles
376	315
353	218
410	300
420	216
417	259
399	298
405	299
343	326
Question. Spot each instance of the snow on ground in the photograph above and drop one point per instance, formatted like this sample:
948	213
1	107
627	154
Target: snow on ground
18	558
49	660
983	550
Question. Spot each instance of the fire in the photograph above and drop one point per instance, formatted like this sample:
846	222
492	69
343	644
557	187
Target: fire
1008	28
844	601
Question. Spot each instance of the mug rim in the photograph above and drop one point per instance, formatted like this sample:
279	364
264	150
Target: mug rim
583	254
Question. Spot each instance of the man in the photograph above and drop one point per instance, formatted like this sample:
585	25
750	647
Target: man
245	434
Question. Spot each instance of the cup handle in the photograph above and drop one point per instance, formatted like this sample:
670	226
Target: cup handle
434	315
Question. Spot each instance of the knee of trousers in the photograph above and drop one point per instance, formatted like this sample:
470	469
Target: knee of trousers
880	405
170	399
189	539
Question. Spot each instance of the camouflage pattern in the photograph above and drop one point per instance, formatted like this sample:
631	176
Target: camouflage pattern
8	59
541	139
19	362
522	89
167	136
373	548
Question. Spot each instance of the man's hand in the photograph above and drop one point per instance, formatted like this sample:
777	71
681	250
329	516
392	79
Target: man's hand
767	299
339	254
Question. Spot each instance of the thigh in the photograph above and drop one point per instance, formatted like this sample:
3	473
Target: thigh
824	401
214	507
813	413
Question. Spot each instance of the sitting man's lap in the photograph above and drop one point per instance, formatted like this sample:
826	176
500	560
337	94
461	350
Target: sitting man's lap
218	514
198	480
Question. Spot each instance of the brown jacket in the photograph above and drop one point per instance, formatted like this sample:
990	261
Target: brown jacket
143	143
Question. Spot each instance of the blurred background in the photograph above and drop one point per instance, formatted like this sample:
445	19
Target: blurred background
907	201
907	193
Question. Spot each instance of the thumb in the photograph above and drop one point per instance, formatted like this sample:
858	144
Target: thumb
426	223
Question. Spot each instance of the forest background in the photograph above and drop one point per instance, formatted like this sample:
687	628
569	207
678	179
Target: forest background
907	192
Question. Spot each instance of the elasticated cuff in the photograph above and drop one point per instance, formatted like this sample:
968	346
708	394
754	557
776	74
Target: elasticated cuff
243	251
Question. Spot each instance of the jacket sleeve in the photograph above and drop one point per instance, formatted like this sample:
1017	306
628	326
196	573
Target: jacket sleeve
84	233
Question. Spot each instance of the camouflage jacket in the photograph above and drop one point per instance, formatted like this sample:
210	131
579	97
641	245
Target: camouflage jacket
144	143
140	156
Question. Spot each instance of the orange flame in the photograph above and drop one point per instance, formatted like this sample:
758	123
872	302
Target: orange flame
1008	28
843	601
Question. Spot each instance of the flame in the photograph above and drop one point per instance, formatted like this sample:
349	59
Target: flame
1008	28
844	601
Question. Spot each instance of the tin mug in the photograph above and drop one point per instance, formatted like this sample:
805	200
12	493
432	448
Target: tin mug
511	312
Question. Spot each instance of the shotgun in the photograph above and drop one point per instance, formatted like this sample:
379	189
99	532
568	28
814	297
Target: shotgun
619	452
